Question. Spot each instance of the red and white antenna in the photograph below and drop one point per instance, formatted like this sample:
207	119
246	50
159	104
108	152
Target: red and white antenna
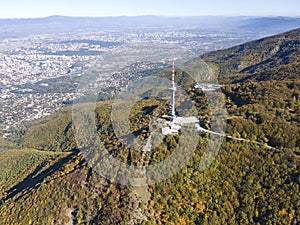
173	75
173	89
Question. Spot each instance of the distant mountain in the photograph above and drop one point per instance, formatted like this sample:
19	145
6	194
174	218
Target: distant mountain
277	57
57	24
265	26
278	24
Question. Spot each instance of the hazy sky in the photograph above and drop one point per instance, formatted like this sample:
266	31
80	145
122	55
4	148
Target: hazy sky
42	8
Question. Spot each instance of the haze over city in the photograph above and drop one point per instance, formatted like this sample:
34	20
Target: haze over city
94	8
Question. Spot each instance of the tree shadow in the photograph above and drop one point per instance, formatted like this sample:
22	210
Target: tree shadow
148	110
33	179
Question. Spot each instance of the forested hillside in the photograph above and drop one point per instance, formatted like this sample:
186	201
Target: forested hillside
271	58
45	179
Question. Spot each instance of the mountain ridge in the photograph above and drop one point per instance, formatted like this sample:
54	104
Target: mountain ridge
256	56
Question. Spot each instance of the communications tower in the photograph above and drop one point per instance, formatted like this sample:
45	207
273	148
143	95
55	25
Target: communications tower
173	89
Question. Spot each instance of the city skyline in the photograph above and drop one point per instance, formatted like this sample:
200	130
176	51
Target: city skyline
94	8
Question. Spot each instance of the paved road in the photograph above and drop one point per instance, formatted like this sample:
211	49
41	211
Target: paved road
234	138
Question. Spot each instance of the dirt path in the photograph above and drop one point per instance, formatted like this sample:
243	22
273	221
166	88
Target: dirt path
71	217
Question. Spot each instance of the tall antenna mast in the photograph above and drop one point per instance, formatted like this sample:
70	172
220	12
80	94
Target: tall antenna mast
173	89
